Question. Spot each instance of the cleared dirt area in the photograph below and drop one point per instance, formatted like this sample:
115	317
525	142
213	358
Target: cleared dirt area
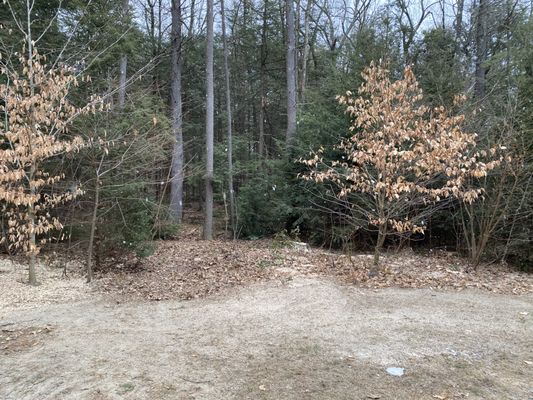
305	338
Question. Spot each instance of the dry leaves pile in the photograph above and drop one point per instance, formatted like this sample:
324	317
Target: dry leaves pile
410	270
191	268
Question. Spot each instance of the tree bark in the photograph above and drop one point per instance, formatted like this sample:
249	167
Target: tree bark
123	65
122	81
481	49
32	278
209	125
458	26
93	229
382	233
262	74
176	186
229	126
291	73
305	55
191	19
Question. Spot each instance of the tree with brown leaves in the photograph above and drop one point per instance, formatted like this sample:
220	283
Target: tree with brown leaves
404	158
37	115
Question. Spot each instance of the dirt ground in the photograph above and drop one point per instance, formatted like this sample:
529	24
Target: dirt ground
303	338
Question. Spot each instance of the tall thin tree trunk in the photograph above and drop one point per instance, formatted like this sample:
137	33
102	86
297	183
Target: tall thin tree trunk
262	74
305	55
154	42
191	20
382	234
481	49
229	127
458	26
122	81
93	229
123	64
32	278
209	125
291	73
176	59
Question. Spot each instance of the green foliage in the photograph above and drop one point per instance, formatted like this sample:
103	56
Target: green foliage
131	170
438	69
270	199
262	202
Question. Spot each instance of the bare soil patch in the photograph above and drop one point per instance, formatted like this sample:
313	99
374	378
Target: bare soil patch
267	320
305	338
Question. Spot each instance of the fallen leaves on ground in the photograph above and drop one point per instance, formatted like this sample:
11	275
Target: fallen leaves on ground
190	268
13	340
437	271
53	286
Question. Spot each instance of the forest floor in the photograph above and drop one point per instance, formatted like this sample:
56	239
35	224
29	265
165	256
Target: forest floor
267	321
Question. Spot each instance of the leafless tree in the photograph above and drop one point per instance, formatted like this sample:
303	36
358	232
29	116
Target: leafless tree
209	126
229	122
291	72
176	60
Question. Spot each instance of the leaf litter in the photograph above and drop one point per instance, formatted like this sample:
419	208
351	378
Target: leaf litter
190	268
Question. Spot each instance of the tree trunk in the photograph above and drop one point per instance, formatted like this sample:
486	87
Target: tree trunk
32	277
176	187
458	26
305	55
262	74
481	49
229	127
291	73
191	19
122	81
382	233
123	64
209	126
93	230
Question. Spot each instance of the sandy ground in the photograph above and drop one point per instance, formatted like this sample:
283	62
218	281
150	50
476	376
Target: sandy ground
308	338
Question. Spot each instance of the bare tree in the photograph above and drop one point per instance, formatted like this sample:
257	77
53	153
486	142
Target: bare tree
262	74
153	10
209	126
176	59
291	72
337	23
409	24
305	53
481	48
123	63
229	126
458	25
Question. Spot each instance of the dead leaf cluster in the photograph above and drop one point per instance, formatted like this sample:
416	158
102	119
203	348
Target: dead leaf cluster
192	268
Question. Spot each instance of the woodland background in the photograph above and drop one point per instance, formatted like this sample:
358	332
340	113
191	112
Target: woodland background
274	72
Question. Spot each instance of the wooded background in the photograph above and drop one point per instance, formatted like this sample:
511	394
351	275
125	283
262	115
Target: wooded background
209	105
